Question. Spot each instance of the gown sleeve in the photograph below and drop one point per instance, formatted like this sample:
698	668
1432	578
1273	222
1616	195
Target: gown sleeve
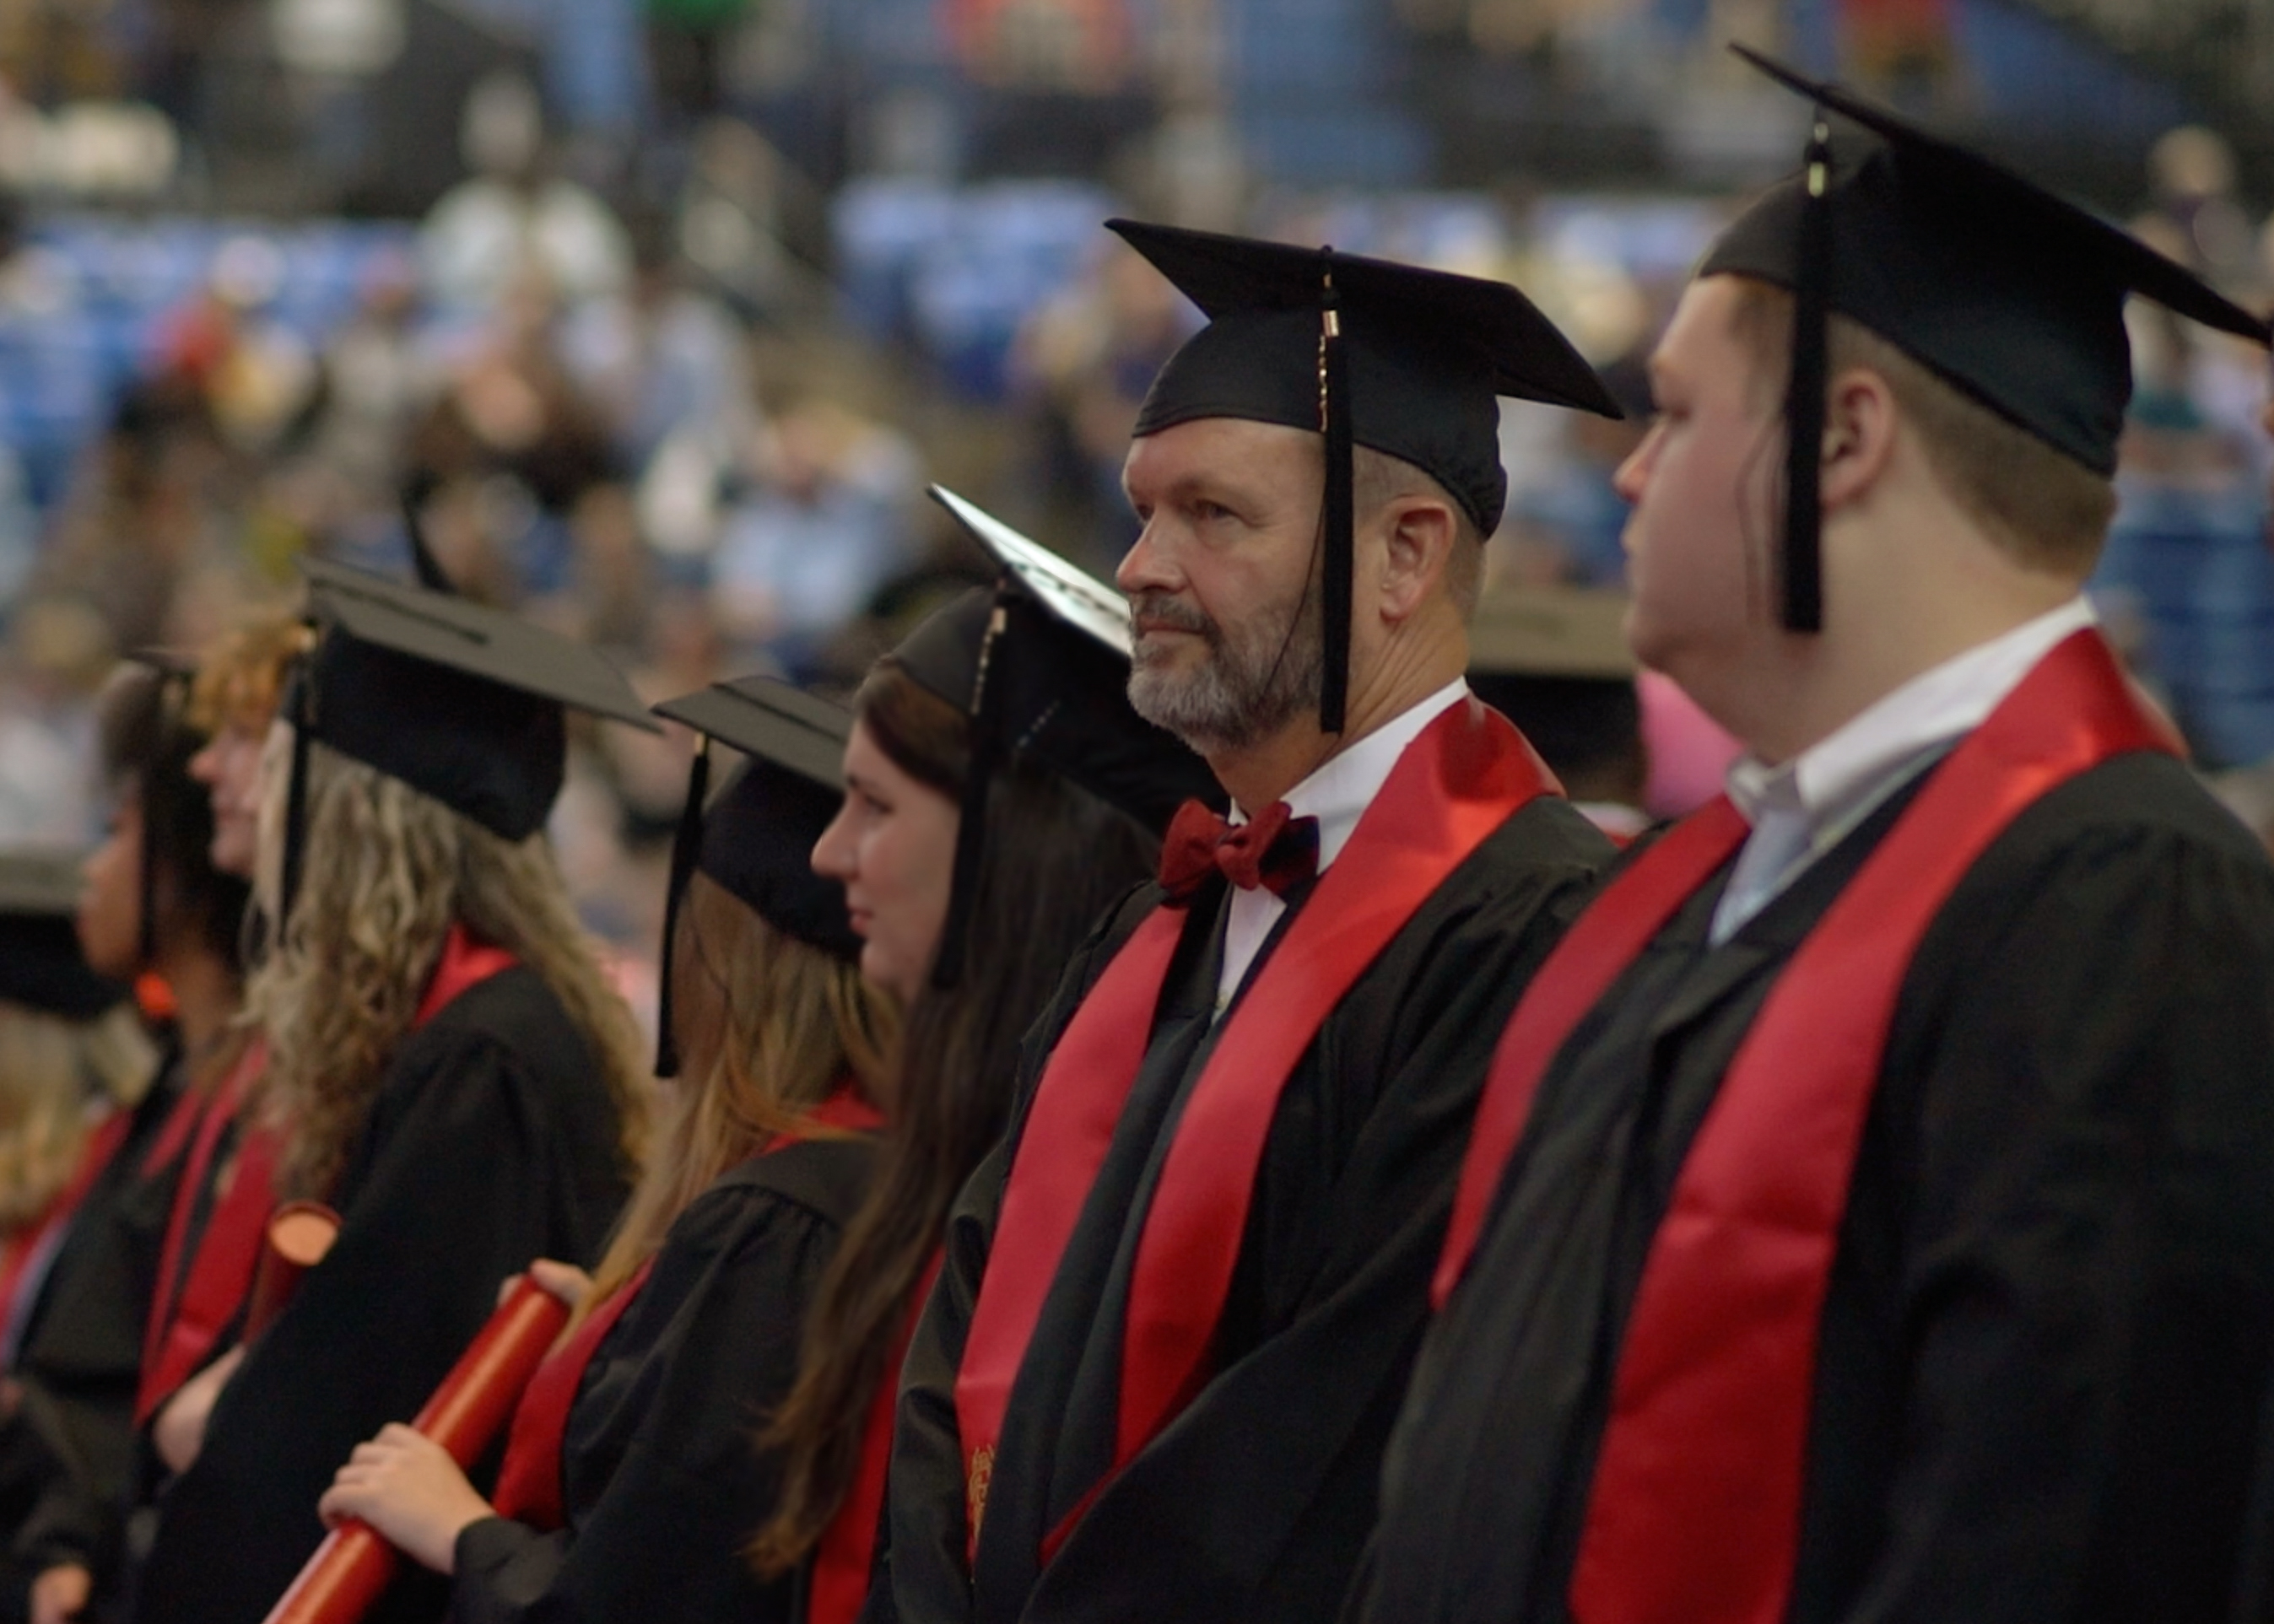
2087	1283
664	1537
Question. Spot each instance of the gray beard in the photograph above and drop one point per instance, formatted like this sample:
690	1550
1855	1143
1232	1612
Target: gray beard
1256	679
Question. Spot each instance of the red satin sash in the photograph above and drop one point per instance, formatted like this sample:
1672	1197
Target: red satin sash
529	1486
184	1328
1694	1515
1462	776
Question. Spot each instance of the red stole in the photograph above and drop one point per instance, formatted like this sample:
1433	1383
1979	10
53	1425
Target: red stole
1694	1515
1461	778
529	1487
184	1328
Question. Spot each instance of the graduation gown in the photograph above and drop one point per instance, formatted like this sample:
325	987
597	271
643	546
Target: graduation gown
661	1481
68	1447
2050	1319
1251	1503
490	1141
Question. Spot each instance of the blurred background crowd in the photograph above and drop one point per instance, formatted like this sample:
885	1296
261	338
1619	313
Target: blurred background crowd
663	312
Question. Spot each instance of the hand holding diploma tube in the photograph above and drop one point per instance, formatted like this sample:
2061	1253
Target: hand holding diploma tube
351	1570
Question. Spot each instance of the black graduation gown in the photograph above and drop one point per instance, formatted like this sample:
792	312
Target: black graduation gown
492	1140
1252	1504
70	1445
661	1480
2050	1319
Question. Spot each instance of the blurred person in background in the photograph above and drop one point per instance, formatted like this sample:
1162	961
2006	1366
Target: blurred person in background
153	904
451	1072
515	217
822	524
1083	362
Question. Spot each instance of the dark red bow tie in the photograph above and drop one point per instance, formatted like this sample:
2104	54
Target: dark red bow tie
1273	848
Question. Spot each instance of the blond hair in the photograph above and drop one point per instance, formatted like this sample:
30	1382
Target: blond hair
772	1027
2041	509
386	872
50	1062
242	675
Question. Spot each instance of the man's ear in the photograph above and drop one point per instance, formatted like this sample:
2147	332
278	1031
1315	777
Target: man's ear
1420	534
1860	423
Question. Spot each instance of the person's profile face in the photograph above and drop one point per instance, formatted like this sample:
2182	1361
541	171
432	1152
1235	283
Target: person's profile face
1702	484
271	771
1224	639
892	845
110	917
229	768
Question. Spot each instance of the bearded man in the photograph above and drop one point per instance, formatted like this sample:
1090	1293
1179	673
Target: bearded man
1178	1305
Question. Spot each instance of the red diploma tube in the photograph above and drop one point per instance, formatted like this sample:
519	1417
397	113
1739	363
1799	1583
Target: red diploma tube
351	1570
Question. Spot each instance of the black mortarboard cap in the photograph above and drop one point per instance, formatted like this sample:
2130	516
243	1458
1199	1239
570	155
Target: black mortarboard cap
461	702
1367	352
756	838
2008	293
41	965
1040	665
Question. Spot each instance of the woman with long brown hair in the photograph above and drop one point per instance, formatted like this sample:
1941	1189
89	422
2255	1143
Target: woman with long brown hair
450	1070
1000	794
630	1485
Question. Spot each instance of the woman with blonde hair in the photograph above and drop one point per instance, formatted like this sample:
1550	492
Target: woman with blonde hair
631	1485
451	1071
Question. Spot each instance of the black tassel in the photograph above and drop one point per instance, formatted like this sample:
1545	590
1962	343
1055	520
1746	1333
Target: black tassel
686	849
1803	606
172	694
296	799
987	754
1338	562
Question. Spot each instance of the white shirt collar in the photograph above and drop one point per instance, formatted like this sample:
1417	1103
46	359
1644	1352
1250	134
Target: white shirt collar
1338	792
1838	779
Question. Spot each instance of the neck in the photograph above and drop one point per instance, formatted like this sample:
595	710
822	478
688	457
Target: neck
1792	691
206	998
1404	671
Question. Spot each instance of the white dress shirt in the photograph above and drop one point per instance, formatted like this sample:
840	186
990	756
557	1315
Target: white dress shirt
1337	794
1801	809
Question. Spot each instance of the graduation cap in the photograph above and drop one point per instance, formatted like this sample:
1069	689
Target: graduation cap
756	838
461	702
2008	293
41	964
1040	665
1367	352
1554	661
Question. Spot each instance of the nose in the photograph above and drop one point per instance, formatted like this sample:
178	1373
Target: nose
1635	471
1145	567
833	853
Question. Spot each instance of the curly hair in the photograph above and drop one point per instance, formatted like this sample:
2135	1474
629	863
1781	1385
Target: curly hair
386	872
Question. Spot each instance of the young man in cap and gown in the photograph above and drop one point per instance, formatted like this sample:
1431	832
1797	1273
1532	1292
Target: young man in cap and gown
1178	1303
1867	1215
